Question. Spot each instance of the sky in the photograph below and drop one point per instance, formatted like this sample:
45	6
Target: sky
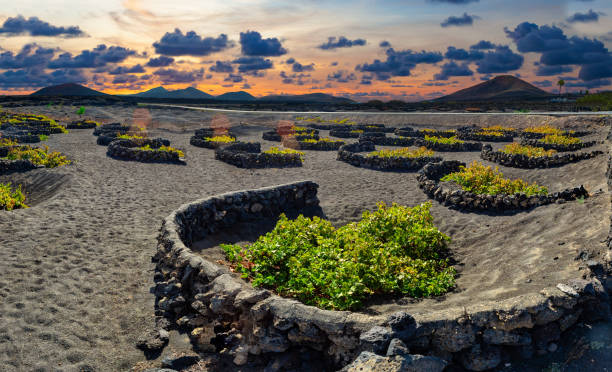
409	50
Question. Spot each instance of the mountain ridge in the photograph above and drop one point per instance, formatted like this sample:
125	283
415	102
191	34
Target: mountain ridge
501	87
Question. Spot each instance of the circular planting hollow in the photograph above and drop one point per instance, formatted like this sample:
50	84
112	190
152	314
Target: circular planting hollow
145	150
470	134
249	155
351	154
82	124
532	162
387	141
194	288
317	144
39	185
557	147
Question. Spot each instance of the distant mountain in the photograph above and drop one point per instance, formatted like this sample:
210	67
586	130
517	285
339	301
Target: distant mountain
499	88
69	89
236	96
163	93
307	98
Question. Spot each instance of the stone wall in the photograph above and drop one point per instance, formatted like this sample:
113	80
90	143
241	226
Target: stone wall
449	147
105	138
350	154
344	133
315	146
112	128
81	124
249	322
249	155
451	194
531	135
410	132
21	138
388	141
479	136
561	148
127	149
12	166
530	162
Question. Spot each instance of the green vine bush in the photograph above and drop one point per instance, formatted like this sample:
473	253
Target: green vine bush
11	198
393	250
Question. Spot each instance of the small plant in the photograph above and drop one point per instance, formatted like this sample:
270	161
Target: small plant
300	129
163	148
274	150
544	129
492	133
38	156
444	140
129	137
481	179
358	131
531	151
556	139
11	198
406	152
428	130
7	142
220	139
43	137
497	128
80	110
322	139
392	250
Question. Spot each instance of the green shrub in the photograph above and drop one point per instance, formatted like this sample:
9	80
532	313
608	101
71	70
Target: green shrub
11	198
220	139
481	179
7	142
163	148
322	139
38	156
448	141
531	151
402	153
557	139
544	129
43	137
393	250
81	110
277	151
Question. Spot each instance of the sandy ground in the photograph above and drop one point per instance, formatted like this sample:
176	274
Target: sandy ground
76	269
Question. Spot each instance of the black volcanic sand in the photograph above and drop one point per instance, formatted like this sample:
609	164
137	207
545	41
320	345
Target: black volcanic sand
76	267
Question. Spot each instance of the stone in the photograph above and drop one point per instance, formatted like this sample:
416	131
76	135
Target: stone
151	340
180	363
552	347
376	339
548	315
397	347
402	324
500	337
567	290
241	356
545	334
582	286
370	362
479	358
454	338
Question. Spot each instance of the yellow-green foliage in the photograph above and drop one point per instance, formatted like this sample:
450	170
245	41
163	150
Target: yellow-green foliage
163	148
491	133
357	131
544	129
127	136
481	179
556	139
220	139
448	141
405	152
531	151
278	151
322	139
11	198
38	156
497	128
7	142
428	130
391	251
298	129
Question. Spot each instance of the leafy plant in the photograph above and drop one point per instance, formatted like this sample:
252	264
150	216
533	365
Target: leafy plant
11	198
322	139
448	141
392	250
7	142
493	133
220	139
531	151
481	179
557	139
38	156
81	110
497	128
127	136
274	150
428	130
163	148
359	131
43	137
544	129
402	153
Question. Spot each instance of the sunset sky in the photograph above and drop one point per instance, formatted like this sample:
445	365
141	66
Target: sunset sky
370	49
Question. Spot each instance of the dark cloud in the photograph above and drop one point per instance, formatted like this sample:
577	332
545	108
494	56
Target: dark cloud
290	61
384	44
335	63
36	27
296	79
341	42
500	60
464	20
190	44
589	16
254	45
483	44
341	76
544	70
161	61
463	55
557	49
30	55
98	57
298	67
399	63
590	84
131	79
36	78
543	83
119	70
452	69
234	78
253	64
221	66
172	76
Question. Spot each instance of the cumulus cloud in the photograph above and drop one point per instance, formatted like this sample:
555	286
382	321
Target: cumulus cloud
544	70
483	44
464	20
161	61
33	26
557	49
298	67
31	55
543	83
589	16
119	70
36	78
500	60
341	76
384	44
221	66
97	57
131	79
290	61
254	45
190	44
341	42
453	69
172	76
253	64
399	63
463	55
234	78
